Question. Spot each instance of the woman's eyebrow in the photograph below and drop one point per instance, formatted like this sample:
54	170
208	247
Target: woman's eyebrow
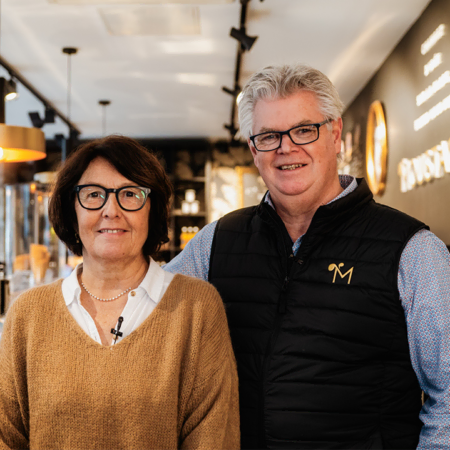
129	183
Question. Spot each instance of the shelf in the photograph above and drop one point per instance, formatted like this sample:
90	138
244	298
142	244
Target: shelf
188	180
177	218
178	213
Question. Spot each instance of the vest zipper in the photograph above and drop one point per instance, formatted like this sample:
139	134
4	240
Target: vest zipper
282	306
282	301
281	310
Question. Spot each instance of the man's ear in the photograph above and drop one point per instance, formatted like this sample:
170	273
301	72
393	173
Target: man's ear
252	148
337	133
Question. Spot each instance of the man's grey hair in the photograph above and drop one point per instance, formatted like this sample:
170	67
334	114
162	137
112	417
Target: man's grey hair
275	82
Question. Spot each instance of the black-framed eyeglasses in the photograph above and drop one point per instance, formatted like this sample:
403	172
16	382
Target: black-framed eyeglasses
301	135
94	196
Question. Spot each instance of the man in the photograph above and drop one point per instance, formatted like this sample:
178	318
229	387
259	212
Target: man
337	306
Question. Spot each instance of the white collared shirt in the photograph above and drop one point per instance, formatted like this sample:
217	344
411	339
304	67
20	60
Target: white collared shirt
140	304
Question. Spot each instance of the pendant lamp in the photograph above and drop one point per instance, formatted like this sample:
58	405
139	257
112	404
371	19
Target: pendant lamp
19	144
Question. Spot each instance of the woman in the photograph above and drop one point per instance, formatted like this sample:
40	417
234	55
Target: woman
120	354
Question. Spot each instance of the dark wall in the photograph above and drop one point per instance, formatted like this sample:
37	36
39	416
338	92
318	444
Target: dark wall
400	79
165	149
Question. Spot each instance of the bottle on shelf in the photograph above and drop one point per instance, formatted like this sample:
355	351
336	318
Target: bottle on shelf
187	233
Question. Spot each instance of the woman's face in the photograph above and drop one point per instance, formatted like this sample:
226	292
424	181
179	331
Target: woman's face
110	233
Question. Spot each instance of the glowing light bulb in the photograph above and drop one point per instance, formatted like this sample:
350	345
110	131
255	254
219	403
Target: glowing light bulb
11	96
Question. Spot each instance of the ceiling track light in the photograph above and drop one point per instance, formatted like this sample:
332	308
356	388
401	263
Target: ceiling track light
235	92
10	90
38	122
49	115
246	44
232	129
17	78
245	40
18	144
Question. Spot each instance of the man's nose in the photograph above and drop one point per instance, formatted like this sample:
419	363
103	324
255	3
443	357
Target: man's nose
287	145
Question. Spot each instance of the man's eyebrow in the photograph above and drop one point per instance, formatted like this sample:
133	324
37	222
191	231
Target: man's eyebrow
298	124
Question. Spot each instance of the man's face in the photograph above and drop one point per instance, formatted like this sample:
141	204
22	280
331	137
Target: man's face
293	171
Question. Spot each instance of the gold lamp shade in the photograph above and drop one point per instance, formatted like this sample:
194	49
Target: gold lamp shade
19	144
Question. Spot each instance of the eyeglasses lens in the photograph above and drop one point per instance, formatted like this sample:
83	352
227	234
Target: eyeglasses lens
131	198
302	135
267	141
92	197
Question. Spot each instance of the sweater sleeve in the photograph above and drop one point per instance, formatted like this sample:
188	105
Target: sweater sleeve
13	397
212	413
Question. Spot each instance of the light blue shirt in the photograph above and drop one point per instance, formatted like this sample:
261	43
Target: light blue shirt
424	286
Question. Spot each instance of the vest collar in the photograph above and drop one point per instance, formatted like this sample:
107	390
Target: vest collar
324	219
345	205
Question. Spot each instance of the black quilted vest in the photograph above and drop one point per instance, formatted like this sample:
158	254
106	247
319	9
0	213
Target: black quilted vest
320	338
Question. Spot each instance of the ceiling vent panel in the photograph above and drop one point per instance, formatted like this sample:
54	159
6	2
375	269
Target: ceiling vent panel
141	2
170	20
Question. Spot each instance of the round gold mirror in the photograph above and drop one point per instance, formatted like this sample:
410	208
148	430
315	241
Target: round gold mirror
376	148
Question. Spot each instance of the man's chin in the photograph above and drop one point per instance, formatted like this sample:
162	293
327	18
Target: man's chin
291	190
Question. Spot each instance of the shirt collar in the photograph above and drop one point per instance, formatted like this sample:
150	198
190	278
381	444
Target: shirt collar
152	283
70	287
348	183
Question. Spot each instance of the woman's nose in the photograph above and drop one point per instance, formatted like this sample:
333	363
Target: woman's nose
111	208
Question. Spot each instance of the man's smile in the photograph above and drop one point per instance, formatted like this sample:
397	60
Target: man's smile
290	166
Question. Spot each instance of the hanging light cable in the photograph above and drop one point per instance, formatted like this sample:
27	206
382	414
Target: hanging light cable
69	51
104	104
73	134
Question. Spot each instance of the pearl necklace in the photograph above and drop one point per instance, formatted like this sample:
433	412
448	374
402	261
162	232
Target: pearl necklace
105	299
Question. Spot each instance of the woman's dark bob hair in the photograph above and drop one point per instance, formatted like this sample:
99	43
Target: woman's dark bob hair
134	162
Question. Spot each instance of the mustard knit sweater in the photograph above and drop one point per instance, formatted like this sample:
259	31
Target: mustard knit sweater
170	384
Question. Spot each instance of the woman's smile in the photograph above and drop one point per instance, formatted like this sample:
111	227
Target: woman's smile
112	231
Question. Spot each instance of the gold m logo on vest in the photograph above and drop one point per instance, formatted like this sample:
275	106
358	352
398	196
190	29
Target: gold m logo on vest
337	270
